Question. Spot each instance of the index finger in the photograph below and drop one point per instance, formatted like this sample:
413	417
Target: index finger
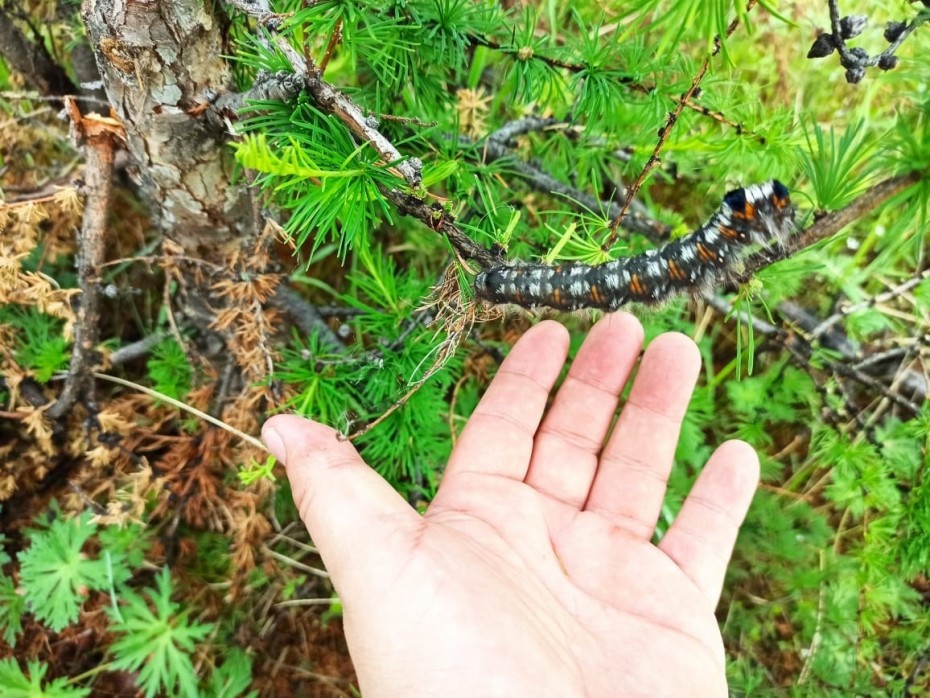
498	438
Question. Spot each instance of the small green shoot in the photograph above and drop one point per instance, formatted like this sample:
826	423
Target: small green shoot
255	471
838	168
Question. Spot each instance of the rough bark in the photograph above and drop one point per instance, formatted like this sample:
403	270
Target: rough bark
161	61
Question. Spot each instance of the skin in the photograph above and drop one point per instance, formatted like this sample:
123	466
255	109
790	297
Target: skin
533	572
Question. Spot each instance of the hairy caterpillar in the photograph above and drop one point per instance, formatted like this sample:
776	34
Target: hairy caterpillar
757	215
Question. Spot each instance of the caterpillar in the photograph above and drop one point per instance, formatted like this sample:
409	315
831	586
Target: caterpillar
754	216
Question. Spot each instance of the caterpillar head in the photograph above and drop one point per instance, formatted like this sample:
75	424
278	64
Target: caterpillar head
760	213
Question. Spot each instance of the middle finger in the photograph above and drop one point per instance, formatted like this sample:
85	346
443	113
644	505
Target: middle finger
569	441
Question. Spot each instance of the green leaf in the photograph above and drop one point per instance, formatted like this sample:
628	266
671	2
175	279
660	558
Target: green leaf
12	606
156	639
128	545
254	471
316	170
681	20
56	575
17	684
232	678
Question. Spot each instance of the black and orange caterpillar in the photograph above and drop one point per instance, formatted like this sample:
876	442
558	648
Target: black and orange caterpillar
757	215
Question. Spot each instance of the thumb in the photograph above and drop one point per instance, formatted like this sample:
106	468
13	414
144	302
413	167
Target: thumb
347	507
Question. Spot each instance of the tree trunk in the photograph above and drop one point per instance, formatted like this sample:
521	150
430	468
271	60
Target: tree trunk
161	62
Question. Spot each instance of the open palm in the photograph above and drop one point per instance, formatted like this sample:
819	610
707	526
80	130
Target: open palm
533	572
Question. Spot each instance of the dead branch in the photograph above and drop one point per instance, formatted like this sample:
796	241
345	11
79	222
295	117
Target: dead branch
870	303
136	350
306	317
335	102
856	60
801	349
100	138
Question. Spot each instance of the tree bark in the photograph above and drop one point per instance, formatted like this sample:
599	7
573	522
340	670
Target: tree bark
161	62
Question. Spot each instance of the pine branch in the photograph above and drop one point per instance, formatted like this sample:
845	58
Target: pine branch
542	181
332	101
519	127
633	85
435	217
848	310
665	132
136	350
329	98
860	358
306	317
260	10
280	86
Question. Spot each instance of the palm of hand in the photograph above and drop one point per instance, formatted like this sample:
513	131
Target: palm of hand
532	573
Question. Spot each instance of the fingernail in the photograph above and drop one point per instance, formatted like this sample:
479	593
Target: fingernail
275	443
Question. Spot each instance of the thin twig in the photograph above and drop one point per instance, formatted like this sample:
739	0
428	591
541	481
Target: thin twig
297	603
518	127
24	117
856	60
818	626
891	354
719	117
182	406
632	84
802	351
136	350
435	217
32	60
334	40
291	562
338	311
664	134
358	433
36	97
172	322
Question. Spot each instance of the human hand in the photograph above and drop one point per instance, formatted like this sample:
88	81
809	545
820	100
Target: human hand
532	572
